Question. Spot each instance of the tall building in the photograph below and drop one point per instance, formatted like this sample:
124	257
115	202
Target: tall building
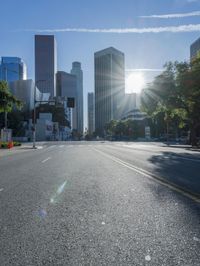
66	86
12	68
45	63
76	70
195	49
109	87
90	113
24	91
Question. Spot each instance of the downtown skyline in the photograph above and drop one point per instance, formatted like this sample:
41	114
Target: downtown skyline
147	51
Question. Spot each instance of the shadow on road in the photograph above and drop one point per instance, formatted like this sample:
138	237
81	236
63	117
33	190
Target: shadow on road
180	169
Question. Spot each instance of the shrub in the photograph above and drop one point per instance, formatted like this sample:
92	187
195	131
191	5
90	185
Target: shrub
3	145
16	143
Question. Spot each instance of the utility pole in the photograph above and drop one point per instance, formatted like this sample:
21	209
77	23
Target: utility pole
34	120
6	114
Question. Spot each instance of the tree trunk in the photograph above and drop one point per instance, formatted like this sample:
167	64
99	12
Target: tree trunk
193	138
167	132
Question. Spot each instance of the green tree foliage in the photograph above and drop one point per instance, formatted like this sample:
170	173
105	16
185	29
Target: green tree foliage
173	98
15	121
128	129
7	100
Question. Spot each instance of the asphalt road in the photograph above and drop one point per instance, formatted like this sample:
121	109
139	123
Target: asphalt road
100	203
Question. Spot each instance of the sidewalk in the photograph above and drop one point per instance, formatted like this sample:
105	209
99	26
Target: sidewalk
28	146
182	146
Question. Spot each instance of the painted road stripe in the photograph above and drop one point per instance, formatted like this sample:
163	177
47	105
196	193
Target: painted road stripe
46	159
149	175
61	146
1	189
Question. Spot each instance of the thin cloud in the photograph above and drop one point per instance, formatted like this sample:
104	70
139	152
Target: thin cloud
172	29
178	15
193	1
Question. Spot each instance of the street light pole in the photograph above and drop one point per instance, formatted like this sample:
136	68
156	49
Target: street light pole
34	120
6	114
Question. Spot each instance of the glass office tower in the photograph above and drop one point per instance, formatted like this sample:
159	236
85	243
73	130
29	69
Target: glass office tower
90	113
195	49
45	63
109	87
12	69
77	71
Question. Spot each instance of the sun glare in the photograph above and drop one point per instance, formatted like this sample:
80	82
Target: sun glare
135	83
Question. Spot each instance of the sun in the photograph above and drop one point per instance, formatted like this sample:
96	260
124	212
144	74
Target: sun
135	83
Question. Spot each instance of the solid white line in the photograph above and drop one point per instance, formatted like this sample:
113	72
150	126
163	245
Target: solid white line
149	175
46	160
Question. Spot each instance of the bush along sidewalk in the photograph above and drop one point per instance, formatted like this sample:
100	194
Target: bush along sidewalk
9	144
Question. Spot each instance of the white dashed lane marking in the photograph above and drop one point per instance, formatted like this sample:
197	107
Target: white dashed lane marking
46	159
1	189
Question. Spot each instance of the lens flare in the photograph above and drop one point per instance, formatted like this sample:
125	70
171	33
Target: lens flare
58	192
135	83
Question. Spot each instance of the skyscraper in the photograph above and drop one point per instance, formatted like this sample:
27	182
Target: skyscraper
109	87
195	49
90	113
76	70
45	63
66	85
12	69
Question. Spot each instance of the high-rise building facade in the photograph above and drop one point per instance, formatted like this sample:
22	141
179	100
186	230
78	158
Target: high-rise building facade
45	63
90	113
12	69
66	86
24	91
109	87
195	49
77	71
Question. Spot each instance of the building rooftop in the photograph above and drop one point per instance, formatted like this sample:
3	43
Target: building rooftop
109	50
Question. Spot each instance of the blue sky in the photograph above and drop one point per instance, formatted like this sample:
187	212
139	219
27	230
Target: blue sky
21	19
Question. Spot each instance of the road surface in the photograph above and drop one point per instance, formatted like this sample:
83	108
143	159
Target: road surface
100	203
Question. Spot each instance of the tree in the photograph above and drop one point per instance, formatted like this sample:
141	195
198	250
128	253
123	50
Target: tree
16	122
174	96
128	129
189	86
7	100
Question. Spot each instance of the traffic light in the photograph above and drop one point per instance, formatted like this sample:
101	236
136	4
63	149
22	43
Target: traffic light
70	102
